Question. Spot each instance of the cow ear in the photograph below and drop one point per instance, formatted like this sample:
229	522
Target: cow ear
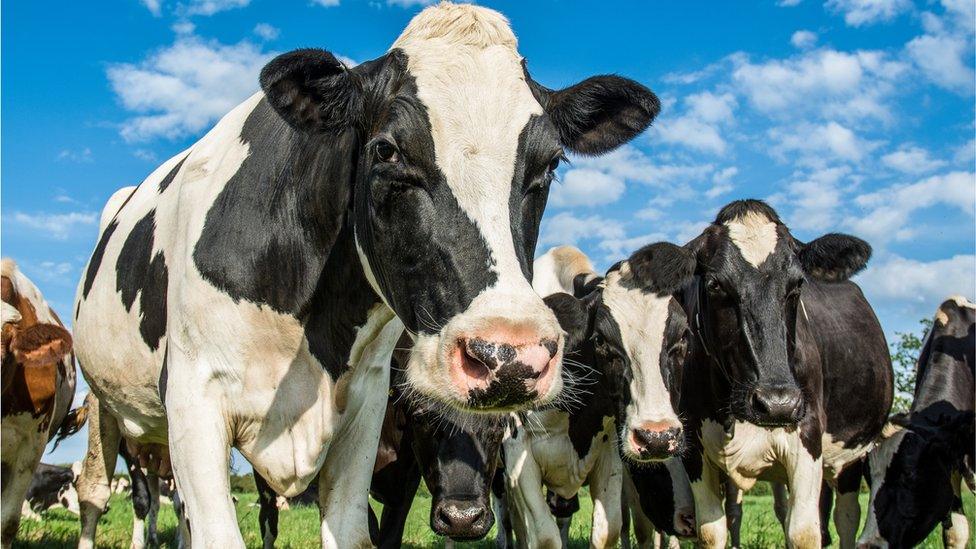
312	90
662	268
40	344
573	317
834	257
600	113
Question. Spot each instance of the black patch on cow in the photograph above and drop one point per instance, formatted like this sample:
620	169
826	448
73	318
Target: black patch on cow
506	390
140	273
45	485
653	485
834	257
141	498
740	208
164	184
96	259
163	377
268	513
660	268
537	151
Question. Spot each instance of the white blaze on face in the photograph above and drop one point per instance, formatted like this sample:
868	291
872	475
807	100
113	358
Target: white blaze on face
754	235
642	319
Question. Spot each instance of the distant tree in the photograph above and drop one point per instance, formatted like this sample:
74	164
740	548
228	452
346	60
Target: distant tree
904	356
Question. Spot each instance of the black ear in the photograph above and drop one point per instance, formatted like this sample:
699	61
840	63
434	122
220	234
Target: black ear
600	113
662	267
313	91
834	257
573	317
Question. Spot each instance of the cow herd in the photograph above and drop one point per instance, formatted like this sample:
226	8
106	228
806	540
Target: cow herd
338	281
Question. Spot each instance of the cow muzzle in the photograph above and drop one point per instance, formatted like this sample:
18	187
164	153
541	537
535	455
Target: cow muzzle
461	519
655	440
776	405
499	370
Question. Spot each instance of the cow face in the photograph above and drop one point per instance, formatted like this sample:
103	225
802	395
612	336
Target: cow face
638	334
456	148
750	273
911	479
458	464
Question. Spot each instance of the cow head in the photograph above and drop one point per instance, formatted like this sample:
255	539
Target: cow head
458	463
750	272
638	333
455	150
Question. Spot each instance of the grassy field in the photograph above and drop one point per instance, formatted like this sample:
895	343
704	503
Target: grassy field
299	526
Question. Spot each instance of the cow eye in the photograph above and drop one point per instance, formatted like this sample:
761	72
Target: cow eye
386	152
554	163
713	286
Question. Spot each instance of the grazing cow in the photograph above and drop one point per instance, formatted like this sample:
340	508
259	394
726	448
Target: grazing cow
917	470
249	293
456	459
51	485
38	373
789	378
630	336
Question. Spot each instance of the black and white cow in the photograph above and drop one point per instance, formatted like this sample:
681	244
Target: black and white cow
249	293
627	340
51	485
789	377
916	472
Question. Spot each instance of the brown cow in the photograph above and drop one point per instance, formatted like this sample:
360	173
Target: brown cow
38	376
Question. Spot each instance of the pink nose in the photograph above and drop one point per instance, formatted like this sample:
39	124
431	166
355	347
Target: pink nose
656	439
498	372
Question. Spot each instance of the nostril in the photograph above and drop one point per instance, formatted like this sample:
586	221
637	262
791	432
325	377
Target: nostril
759	403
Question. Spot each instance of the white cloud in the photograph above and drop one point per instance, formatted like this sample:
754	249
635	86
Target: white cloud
184	27
803	39
153	6
821	83
586	187
721	183
565	228
944	59
56	226
326	3
144	154
966	153
866	12
182	89
631	164
788	3
82	155
699	126
889	210
913	160
621	248
266	31
919	285
210	7
814	198
409	3
817	144
963	14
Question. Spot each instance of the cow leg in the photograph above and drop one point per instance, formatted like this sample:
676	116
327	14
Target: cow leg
268	512
183	524
345	477
503	522
152	533
97	469
955	528
733	512
394	517
643	527
709	511
16	470
140	498
199	443
805	475
534	525
847	509
606	482
781	504
826	503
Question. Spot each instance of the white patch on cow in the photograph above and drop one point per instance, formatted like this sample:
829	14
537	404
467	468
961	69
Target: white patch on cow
642	318
879	459
555	270
957	535
541	457
469	75
836	455
113	205
754	235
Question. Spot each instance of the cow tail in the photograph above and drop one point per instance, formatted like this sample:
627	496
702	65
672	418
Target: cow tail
73	422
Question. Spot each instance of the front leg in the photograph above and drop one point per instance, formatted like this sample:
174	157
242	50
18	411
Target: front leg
534	525
606	482
805	475
199	444
345	477
955	529
709	511
847	510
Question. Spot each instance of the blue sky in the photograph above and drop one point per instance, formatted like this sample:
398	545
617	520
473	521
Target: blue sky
847	115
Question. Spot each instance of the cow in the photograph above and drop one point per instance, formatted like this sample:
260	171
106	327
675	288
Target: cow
627	337
789	377
249	292
38	374
457	461
917	470
658	498
50	486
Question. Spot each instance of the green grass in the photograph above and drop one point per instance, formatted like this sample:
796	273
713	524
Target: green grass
299	526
